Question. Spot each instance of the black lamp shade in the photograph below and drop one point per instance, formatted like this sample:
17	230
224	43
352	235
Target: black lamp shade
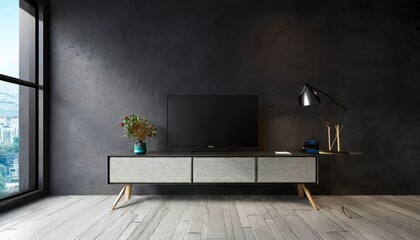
308	97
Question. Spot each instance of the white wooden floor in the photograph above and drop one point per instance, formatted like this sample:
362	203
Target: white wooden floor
215	217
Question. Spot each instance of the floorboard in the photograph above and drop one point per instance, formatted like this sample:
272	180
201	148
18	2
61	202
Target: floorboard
238	231
166	228
215	217
214	225
260	228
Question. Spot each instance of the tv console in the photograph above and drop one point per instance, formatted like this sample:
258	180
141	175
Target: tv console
213	168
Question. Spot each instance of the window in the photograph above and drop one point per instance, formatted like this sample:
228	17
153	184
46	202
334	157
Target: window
21	98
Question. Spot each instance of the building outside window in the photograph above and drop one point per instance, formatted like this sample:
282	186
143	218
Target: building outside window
21	97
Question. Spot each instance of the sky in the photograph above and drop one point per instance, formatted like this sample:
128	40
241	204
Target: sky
9	37
9	56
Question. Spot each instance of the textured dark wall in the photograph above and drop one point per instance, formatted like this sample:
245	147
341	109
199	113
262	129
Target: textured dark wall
113	58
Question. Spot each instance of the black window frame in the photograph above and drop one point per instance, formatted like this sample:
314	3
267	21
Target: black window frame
41	175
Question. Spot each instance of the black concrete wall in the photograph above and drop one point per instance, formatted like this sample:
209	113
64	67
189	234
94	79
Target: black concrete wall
114	58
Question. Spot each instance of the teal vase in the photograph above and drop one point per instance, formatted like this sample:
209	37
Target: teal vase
140	147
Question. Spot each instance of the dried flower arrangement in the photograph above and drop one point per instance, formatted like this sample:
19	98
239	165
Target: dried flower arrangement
138	128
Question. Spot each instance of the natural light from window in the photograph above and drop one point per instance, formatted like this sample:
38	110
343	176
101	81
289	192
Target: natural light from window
9	98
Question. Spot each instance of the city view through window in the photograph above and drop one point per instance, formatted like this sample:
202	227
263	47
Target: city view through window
9	98
9	139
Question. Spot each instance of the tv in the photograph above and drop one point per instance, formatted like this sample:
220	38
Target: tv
212	121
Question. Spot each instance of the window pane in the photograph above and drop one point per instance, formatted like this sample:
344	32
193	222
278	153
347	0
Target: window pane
9	26
41	184
17	41
40	45
17	139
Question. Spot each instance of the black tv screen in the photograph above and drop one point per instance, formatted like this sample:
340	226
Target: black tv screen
212	121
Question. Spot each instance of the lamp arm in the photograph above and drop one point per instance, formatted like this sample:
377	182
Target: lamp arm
328	96
332	100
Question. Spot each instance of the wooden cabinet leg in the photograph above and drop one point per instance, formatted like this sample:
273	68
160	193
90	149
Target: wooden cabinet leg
308	194
128	190
119	197
300	191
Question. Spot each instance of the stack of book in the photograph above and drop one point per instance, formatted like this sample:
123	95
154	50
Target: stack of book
310	146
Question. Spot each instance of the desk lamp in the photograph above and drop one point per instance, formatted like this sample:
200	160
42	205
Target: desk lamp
309	97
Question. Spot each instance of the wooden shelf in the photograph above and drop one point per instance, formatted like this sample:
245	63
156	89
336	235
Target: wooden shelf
326	152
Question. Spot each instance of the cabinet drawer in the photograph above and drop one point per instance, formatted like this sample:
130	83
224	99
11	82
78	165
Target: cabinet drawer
149	170
224	169
287	169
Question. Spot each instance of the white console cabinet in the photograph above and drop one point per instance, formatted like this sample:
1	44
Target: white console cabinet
213	168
